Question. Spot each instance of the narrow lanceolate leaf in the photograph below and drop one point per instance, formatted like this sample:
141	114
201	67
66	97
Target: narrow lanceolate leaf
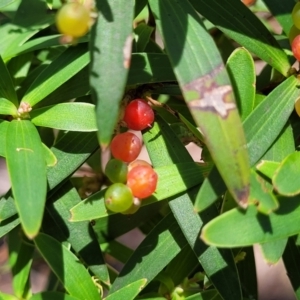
69	63
3	129
173	179
243	86
267	168
282	12
207	90
129	291
165	148
66	266
7	90
4	3
27	171
110	48
80	235
66	116
285	179
239	23
278	106
154	253
142	35
20	260
237	228
7	107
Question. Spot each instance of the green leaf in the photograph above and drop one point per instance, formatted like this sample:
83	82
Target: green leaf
112	226
7	107
7	89
241	25
243	86
278	105
80	235
71	151
75	87
69	63
66	116
51	160
51	296
13	36
160	246
237	228
4	296
117	250
7	225
142	36
206	89
128	292
20	260
7	206
267	168
27	171
282	12
72	274
261	195
165	148
110	55
31	13
3	129
173	179
273	251
4	3
287	170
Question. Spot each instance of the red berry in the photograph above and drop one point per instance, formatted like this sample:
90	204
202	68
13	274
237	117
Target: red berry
126	146
296	47
142	181
138	162
138	115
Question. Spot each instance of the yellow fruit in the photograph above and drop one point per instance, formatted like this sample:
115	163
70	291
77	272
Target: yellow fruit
73	19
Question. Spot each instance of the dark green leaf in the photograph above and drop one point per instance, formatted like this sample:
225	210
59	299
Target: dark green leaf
202	77
166	239
27	170
243	86
7	89
111	55
20	260
240	24
291	258
142	36
80	235
282	12
72	274
69	63
278	105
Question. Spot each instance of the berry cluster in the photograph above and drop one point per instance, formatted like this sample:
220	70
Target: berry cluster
132	180
294	34
74	20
